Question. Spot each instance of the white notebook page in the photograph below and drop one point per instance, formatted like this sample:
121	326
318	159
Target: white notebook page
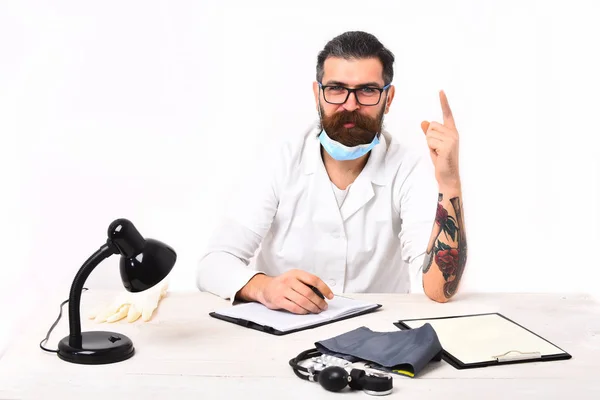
285	321
479	338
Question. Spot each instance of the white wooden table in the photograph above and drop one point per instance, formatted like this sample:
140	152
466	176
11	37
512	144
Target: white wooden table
185	354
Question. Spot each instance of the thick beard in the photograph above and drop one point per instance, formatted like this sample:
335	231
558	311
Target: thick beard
364	130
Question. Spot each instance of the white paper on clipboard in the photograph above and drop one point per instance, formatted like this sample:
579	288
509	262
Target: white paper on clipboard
487	337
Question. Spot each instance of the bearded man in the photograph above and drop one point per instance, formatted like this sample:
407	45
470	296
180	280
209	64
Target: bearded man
346	207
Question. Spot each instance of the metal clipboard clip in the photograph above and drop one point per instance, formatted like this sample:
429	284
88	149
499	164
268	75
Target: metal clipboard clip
515	355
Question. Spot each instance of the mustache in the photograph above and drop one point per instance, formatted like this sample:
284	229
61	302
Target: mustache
360	121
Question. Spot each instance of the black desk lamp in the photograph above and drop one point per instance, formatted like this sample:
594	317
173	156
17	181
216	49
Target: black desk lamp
143	264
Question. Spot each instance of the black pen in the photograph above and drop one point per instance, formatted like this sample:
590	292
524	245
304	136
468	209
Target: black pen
317	291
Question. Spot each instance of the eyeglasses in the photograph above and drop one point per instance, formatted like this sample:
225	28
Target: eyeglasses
366	96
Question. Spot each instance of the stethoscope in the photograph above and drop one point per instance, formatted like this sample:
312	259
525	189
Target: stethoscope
333	375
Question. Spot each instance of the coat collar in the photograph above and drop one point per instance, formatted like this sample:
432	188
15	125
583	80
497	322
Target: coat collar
361	192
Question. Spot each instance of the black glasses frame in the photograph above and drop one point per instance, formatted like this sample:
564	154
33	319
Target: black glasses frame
350	91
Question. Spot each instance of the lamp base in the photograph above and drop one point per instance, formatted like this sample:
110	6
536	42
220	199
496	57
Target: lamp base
97	347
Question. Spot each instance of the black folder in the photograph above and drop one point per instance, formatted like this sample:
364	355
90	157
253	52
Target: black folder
482	340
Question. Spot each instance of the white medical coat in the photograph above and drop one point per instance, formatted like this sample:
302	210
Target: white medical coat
289	218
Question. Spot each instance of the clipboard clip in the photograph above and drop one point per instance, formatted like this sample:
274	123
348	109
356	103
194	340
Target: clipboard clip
515	355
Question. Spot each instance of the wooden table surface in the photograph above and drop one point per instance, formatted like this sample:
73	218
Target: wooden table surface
183	353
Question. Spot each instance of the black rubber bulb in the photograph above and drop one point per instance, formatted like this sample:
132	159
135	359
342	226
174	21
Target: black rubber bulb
333	379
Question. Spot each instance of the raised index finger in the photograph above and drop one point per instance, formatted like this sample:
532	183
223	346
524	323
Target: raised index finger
448	118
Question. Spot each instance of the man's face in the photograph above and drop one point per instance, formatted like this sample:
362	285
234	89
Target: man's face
352	123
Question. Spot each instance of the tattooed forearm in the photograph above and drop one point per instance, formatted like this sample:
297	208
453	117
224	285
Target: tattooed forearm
447	249
453	280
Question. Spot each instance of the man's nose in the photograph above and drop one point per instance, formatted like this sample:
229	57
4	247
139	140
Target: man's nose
351	103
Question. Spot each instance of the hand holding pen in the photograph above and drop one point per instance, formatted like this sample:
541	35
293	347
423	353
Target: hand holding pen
296	291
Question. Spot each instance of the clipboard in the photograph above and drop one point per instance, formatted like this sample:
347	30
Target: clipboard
489	339
276	322
269	329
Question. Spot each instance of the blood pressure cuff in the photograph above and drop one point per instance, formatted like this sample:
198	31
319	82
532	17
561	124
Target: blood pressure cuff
404	352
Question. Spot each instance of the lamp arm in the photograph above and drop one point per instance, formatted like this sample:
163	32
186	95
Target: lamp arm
77	287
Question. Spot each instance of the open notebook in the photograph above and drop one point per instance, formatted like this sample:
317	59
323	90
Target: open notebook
480	340
280	322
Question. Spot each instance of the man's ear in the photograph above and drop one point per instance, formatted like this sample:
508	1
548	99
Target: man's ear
316	93
390	98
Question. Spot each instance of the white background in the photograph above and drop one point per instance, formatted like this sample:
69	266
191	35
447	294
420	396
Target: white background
153	111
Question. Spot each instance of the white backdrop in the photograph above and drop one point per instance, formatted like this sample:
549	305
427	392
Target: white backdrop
153	110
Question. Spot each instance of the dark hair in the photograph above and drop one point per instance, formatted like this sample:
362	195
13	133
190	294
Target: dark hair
357	44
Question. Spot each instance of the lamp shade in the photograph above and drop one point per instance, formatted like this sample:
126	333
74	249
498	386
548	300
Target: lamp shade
143	262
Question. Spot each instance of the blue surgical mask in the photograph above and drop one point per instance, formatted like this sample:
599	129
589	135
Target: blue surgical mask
340	152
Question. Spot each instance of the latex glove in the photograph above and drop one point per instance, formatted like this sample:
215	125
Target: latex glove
132	305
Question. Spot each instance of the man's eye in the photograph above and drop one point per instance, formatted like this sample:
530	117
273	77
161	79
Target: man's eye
368	90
